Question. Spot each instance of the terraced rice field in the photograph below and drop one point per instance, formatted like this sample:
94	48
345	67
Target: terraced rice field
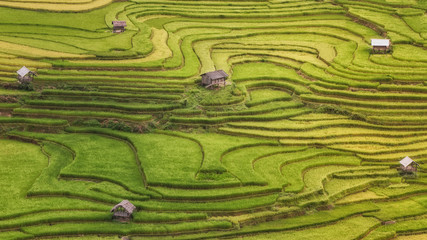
304	143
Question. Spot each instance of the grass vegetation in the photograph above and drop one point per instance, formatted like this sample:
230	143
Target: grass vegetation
349	228
304	142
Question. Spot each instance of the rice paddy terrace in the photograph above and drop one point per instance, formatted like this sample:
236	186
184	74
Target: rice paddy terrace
304	143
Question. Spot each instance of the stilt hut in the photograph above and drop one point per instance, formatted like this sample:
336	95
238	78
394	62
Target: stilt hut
25	76
119	26
380	45
215	78
123	211
407	165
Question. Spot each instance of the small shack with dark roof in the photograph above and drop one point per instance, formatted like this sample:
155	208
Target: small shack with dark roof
408	165
123	211
25	76
380	45
119	26
215	78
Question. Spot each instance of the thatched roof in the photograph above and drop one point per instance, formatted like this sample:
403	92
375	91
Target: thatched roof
380	42
216	74
119	23
129	207
23	71
407	161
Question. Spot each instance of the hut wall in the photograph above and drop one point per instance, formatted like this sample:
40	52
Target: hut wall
380	48
218	81
118	29
25	79
206	80
122	216
410	168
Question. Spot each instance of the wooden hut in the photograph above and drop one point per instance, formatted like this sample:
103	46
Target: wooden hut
25	76
119	26
215	78
123	211
380	45
407	165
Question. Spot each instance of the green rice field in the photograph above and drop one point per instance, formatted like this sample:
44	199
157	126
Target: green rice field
304	141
